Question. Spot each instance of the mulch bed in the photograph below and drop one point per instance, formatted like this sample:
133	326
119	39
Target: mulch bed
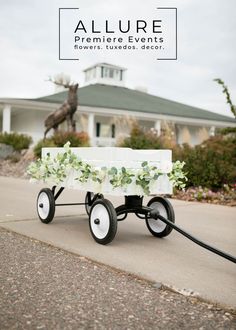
14	169
226	196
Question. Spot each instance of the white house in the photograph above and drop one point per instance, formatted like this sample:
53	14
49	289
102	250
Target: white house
106	109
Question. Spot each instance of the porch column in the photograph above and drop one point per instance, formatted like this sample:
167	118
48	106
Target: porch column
6	118
91	127
212	131
158	127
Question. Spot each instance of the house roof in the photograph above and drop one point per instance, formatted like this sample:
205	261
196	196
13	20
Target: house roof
106	96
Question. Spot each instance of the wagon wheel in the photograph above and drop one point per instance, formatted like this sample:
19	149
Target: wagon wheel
46	205
157	227
93	197
103	221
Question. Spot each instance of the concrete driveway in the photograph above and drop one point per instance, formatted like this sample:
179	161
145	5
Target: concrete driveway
173	261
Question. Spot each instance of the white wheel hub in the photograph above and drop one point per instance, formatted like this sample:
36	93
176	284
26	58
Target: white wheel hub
100	221
43	205
158	226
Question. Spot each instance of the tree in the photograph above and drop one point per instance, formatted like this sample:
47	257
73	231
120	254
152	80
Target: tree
226	92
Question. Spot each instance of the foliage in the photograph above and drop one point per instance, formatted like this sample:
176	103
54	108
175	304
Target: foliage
177	176
228	130
16	140
76	139
43	144
86	172
56	170
145	175
120	177
210	164
142	139
59	139
139	139
228	98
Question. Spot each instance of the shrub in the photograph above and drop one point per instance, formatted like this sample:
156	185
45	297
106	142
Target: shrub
43	144
76	139
231	131
210	164
139	139
17	141
80	139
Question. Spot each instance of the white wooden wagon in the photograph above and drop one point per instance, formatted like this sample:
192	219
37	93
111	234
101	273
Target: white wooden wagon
144	172
113	171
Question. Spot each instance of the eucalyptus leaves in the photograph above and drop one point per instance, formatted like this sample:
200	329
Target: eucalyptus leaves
56	170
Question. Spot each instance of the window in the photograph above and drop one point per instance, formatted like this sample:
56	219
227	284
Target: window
98	129
111	73
113	130
105	130
117	74
106	72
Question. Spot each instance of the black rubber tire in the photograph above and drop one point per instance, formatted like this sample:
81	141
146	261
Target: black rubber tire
88	207
94	197
169	213
49	214
112	218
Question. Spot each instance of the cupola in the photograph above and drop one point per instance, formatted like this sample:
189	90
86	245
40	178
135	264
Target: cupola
104	73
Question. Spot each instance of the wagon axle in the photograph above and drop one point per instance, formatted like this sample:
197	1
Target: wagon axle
97	222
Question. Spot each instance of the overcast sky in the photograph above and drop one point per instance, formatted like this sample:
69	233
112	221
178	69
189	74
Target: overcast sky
206	49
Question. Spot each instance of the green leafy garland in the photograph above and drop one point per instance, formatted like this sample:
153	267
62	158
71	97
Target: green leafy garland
145	175
58	168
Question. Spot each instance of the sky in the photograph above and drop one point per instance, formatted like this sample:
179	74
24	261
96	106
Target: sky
206	49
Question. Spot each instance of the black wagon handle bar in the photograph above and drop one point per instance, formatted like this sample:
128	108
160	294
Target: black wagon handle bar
197	241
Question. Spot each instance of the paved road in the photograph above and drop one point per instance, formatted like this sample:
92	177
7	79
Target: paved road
173	261
36	292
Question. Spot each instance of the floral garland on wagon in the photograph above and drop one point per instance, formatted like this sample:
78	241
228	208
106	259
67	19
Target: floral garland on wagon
56	170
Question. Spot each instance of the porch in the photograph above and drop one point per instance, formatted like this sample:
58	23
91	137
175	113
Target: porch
24	117
105	127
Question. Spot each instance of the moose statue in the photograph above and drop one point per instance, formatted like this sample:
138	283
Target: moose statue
66	110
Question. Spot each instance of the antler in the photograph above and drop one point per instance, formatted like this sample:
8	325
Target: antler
61	80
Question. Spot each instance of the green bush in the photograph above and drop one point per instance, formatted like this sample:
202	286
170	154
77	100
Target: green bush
80	139
76	139
228	130
142	139
17	141
43	144
210	164
139	139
